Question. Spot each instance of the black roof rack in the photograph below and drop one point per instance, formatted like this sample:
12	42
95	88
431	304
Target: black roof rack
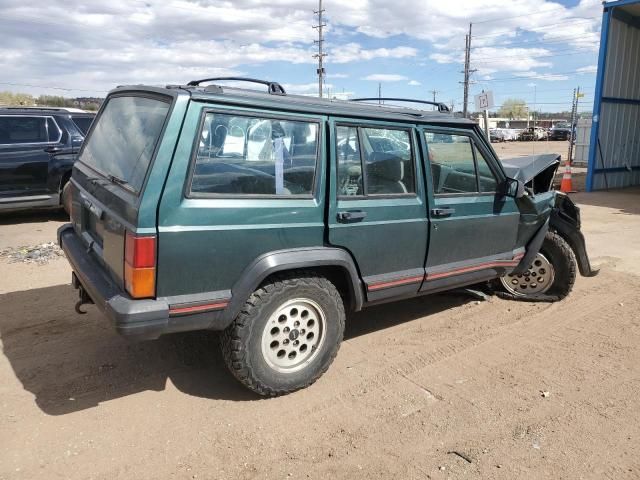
274	87
441	106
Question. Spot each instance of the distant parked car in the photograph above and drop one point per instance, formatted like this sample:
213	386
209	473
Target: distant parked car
561	131
504	134
38	147
496	135
533	134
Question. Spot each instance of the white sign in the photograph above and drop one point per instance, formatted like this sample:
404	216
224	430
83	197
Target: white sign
484	101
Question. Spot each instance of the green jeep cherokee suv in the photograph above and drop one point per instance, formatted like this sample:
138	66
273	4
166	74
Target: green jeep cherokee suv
269	216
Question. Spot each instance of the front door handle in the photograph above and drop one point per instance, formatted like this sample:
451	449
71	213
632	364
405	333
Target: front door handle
351	216
442	212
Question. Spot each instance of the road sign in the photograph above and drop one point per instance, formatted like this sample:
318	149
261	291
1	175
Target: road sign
484	101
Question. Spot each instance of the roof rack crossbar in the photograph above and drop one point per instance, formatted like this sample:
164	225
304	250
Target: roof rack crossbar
274	87
441	106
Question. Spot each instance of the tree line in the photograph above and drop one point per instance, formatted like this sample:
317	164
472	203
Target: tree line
10	99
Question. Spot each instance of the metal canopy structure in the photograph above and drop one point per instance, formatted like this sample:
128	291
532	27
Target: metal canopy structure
614	155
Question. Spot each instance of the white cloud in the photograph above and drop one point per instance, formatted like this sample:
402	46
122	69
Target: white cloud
385	77
91	45
352	52
550	77
447	22
414	83
588	69
488	60
337	75
303	88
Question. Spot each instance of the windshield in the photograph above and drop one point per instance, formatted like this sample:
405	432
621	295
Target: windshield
124	138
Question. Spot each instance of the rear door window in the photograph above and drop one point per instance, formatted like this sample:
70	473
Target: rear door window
23	129
247	155
124	138
374	161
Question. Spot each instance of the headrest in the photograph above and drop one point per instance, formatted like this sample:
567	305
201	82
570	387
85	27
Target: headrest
300	133
385	165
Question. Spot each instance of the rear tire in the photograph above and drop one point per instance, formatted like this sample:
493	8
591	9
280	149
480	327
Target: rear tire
287	334
556	254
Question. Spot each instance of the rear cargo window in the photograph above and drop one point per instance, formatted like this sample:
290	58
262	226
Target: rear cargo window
124	138
239	155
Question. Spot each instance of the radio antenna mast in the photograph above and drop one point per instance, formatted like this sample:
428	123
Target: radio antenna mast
320	42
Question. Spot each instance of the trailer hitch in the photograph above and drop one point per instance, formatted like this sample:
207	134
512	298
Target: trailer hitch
85	299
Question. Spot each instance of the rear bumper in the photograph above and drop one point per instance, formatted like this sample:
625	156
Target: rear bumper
142	319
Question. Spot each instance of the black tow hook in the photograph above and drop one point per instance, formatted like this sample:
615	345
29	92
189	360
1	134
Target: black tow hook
85	299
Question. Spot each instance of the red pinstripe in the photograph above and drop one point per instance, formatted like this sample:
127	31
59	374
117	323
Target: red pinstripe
198	308
434	276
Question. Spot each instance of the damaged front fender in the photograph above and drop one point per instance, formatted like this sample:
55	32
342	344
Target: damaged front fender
565	219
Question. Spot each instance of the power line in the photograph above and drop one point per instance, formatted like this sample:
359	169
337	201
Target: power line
547	41
541	27
52	88
541	12
532	42
539	76
570	52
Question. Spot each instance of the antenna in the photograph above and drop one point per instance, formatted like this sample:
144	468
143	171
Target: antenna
320	42
434	92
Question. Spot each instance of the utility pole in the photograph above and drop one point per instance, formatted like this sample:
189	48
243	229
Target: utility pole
434	92
320	42
453	103
467	71
380	93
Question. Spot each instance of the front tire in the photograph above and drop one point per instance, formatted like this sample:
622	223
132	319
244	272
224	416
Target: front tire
287	334
550	277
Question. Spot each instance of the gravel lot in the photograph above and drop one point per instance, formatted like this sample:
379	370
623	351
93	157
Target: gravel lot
436	387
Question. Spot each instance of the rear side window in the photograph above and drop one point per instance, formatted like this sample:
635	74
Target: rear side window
374	161
16	130
125	136
457	166
242	155
83	123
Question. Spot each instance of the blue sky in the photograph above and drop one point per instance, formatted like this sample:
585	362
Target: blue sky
537	50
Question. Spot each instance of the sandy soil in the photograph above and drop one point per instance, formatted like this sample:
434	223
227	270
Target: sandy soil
437	387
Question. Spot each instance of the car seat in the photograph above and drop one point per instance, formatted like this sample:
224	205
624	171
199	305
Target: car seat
385	174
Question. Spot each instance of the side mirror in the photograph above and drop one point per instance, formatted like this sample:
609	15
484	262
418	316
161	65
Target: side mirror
514	188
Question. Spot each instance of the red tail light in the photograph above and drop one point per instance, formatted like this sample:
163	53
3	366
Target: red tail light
140	265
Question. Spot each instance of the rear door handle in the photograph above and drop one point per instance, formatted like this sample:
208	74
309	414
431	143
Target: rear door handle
442	212
351	216
53	149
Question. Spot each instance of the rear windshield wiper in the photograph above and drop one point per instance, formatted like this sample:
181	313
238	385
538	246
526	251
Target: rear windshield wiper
96	180
118	180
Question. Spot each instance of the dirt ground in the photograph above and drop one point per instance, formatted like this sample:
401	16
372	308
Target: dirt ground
437	387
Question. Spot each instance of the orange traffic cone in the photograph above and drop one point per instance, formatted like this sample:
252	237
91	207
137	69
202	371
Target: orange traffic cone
566	186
